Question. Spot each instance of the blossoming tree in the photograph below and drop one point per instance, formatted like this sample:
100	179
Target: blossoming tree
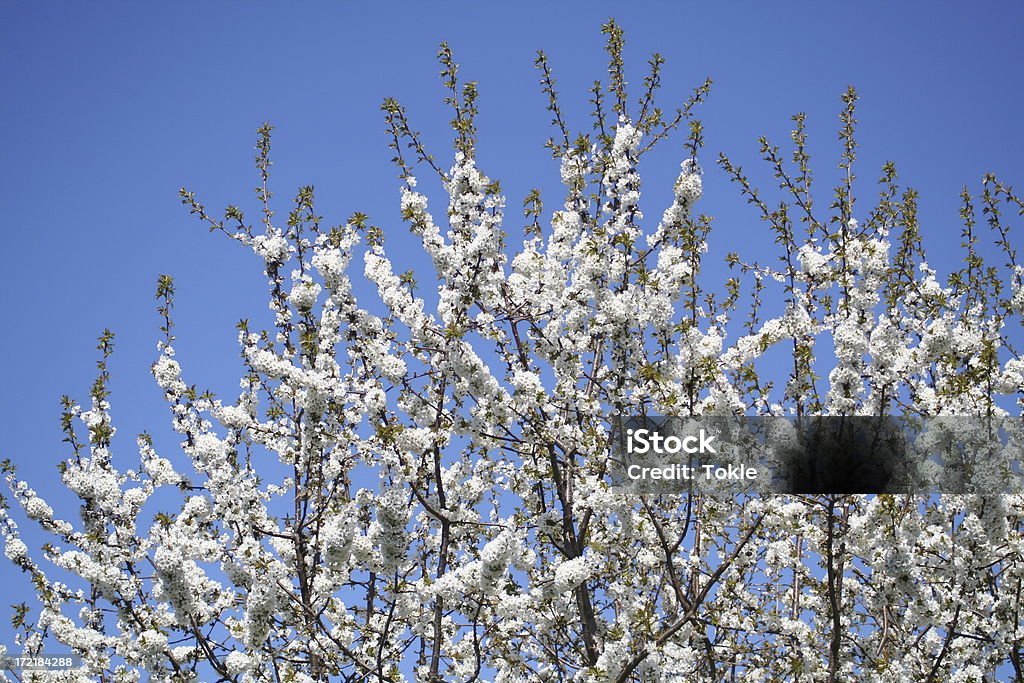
423	492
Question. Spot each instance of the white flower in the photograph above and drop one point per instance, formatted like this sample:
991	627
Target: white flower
574	168
689	188
392	368
152	641
570	574
527	382
272	247
36	508
15	549
234	416
236	662
812	261
304	294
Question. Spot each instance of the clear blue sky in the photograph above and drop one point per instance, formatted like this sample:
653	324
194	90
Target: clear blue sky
108	108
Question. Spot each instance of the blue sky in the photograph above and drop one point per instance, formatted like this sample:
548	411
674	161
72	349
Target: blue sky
108	109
